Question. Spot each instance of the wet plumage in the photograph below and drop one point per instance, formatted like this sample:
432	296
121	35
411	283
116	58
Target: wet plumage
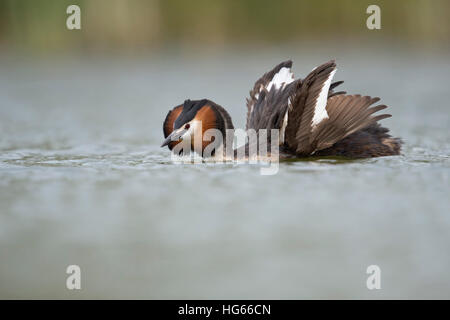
311	116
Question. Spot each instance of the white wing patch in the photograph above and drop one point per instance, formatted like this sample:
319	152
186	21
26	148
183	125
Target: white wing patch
283	127
284	76
285	121
320	113
280	79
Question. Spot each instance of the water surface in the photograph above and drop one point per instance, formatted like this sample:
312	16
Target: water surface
83	181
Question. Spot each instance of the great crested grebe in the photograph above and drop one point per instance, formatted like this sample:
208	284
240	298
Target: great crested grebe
312	119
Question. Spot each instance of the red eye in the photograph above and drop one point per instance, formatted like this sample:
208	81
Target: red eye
187	126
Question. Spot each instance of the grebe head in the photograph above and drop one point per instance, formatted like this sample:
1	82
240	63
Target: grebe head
191	120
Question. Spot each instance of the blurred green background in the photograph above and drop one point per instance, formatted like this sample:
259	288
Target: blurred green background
136	25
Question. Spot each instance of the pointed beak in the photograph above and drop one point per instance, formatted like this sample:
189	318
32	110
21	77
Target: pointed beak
174	136
166	142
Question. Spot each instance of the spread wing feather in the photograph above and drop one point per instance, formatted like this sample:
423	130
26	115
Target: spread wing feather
272	96
269	97
319	117
308	104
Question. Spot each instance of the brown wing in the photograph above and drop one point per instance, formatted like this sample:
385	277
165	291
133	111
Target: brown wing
172	115
318	118
259	99
271	97
347	114
307	102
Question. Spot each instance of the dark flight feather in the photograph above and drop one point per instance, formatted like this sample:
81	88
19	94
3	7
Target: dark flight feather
263	107
301	113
